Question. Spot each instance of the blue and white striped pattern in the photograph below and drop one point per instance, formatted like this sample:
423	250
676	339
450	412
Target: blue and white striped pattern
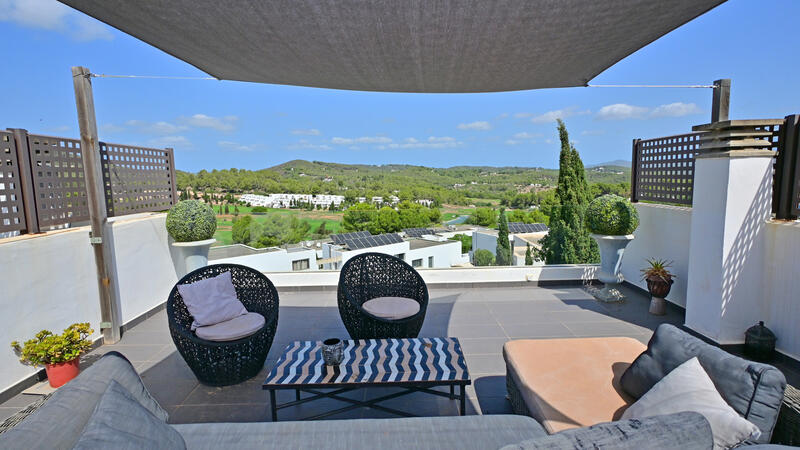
372	361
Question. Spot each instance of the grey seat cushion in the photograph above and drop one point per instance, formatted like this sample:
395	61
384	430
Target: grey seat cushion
230	330
462	432
59	422
121	423
753	389
391	308
685	431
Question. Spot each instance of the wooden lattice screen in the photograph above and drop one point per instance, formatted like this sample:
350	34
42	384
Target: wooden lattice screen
137	179
12	215
58	184
663	168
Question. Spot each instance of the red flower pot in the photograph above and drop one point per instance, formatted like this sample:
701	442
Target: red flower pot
58	374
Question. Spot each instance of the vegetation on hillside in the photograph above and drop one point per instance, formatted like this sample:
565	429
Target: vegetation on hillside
364	216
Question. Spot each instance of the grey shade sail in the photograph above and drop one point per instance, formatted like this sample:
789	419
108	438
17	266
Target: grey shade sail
400	45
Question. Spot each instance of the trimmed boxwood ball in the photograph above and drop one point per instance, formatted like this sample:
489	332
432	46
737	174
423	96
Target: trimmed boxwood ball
611	214
191	220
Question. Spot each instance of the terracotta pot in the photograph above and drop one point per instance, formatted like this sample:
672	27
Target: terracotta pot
58	374
658	287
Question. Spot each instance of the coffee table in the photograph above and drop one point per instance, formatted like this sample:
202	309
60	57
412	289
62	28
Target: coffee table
415	365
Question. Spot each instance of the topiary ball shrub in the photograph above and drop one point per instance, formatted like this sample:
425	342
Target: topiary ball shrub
611	214
191	220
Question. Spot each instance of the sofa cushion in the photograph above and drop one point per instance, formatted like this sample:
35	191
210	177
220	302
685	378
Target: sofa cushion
59	422
686	430
753	389
571	383
688	388
233	329
212	300
120	422
461	432
392	308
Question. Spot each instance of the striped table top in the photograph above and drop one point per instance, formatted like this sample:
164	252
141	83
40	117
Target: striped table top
434	361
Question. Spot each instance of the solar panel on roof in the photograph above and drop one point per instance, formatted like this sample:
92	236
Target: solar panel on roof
519	227
417	232
342	237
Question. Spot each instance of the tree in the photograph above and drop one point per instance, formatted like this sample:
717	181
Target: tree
528	255
387	220
568	241
323	230
241	230
358	217
466	242
484	258
503	252
483	216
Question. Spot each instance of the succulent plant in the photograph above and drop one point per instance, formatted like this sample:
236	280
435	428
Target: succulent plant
191	220
611	214
49	348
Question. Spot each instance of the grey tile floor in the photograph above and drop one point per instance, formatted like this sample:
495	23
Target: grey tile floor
482	318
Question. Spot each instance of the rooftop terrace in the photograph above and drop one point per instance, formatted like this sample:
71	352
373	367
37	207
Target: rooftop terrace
482	318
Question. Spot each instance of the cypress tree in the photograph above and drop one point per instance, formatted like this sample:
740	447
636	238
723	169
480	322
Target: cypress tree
528	255
568	241
503	253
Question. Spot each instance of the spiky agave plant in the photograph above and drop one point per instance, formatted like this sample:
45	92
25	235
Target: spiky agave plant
658	269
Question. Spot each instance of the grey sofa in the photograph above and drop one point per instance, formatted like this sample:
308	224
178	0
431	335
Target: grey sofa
84	414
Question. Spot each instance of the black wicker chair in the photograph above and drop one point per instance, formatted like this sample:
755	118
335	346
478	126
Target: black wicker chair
371	275
226	363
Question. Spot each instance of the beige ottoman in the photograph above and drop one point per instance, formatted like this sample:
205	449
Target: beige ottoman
569	383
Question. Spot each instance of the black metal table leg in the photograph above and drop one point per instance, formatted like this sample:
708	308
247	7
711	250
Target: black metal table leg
273	405
297	394
463	399
452	392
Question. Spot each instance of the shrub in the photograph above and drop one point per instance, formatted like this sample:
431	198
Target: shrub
611	214
484	258
191	220
49	348
259	209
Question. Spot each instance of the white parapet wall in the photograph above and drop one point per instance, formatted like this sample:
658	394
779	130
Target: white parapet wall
50	281
663	233
781	271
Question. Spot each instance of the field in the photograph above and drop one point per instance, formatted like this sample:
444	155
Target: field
332	219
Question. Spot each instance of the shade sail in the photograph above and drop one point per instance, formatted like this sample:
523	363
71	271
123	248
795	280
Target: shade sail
400	45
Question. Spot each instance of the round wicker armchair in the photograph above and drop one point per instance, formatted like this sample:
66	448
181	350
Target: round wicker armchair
231	362
371	275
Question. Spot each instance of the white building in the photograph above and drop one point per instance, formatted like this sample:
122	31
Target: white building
486	239
429	252
272	259
287	200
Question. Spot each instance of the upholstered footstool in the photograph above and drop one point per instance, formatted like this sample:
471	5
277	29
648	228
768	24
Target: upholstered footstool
569	383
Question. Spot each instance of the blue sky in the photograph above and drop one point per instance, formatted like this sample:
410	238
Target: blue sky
223	124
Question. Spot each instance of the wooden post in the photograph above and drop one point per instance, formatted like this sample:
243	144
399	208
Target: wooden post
26	179
721	101
95	190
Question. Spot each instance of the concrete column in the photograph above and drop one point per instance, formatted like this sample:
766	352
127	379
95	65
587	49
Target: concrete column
731	206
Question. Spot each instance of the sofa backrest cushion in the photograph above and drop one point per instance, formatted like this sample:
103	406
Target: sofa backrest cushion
59	422
686	430
753	389
120	422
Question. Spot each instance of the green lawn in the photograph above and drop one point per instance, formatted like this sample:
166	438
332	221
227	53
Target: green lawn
314	219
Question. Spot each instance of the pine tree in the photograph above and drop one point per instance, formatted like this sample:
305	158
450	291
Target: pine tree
528	256
568	242
503	253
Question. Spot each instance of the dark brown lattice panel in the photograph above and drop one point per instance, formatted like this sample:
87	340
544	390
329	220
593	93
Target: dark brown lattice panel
665	168
58	180
137	179
12	215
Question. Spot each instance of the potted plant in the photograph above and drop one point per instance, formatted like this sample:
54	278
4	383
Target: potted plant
659	282
191	224
612	220
58	353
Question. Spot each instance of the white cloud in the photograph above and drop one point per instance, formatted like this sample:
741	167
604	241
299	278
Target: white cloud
430	142
236	147
203	121
548	141
303	144
361	140
160	127
551	116
522	115
170	141
512	142
479	125
593	132
110	128
677	109
526	135
54	16
623	111
306	132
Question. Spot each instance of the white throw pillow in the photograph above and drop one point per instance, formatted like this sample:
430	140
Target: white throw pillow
212	300
688	388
